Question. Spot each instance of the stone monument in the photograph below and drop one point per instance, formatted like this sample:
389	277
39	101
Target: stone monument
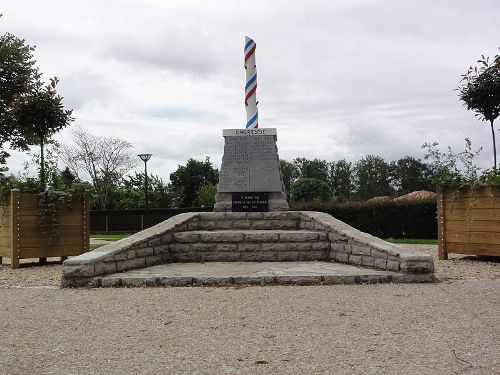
250	178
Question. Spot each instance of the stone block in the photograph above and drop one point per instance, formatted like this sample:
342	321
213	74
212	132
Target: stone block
229	236
372	279
335	236
136	282
250	246
223	247
274	246
299	237
130	264
339	279
202	247
378	253
380	263
409	266
255	215
182	227
261	224
110	282
340	248
186	237
367	261
166	238
143	244
155	241
83	270
125	254
285	224
314	255
318	226
193	225
355	259
212	280
144	252
180	248
266	256
261	237
175	281
161	249
211	216
287	256
413	278
392	265
105	268
299	246
154	260
207	225
240	224
298	280
253	280
224	224
236	216
321	246
339	257
226	256
360	249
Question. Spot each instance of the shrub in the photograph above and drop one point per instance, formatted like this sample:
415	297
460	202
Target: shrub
396	219
310	189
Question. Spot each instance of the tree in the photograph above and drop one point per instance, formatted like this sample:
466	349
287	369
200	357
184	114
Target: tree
315	168
206	195
36	116
104	159
410	174
129	194
481	93
372	175
187	180
290	173
309	189
341	175
17	74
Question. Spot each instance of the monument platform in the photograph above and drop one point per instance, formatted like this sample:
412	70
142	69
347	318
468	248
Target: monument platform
248	273
282	247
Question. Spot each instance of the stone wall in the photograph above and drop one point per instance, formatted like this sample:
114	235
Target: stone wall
252	236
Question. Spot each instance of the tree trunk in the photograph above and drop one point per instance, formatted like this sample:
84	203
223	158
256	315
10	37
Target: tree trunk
42	164
494	147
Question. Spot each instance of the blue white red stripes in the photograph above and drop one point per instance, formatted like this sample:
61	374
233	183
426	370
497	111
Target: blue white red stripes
251	84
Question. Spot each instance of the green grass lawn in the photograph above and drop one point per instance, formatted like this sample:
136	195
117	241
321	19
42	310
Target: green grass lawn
418	241
108	237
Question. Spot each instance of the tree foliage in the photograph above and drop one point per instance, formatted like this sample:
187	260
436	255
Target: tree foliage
310	189
410	174
315	168
480	92
341	179
187	181
290	173
17	74
373	177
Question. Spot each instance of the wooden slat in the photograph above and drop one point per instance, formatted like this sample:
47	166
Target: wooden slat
35	219
474	248
478	214
466	193
471	203
38	230
474	237
45	242
441	209
29	252
475	226
14	256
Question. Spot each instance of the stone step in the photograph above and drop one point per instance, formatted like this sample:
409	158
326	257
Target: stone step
249	235
224	273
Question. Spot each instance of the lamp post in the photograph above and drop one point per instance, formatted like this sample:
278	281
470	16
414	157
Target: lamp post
145	158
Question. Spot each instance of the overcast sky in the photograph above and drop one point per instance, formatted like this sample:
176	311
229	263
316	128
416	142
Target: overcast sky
338	79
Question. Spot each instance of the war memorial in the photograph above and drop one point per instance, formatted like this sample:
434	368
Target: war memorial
251	237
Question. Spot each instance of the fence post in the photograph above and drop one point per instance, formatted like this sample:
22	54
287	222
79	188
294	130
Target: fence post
106	220
15	208
442	251
142	221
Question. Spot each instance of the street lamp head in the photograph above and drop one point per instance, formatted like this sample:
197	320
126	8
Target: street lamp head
145	157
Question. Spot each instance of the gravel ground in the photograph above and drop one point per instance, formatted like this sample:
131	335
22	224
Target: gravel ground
449	327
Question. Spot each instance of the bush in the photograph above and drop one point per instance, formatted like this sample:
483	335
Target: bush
310	189
396	219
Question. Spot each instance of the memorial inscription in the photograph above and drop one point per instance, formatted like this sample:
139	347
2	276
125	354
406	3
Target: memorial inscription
250	202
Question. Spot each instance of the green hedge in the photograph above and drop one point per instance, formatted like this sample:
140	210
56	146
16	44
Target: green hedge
396	219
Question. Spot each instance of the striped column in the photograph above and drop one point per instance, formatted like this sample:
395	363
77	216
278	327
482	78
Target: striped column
251	85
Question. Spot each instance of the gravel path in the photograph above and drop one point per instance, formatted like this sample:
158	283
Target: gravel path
449	327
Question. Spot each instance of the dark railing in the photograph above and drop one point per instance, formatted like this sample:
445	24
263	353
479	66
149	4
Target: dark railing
119	221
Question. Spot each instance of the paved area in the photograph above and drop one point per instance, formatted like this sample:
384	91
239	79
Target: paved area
212	273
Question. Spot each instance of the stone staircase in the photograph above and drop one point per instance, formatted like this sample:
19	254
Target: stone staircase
288	236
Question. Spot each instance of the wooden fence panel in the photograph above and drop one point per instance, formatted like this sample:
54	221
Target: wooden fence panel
469	222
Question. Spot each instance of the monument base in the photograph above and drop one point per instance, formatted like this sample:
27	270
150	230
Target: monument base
276	202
